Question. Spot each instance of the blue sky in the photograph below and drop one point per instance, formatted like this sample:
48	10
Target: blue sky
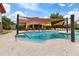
42	10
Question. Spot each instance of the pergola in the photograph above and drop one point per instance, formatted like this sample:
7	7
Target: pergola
72	27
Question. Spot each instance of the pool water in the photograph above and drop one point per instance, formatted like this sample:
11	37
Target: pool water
43	36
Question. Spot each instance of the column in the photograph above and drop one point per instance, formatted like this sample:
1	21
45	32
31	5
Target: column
26	26
42	26
33	26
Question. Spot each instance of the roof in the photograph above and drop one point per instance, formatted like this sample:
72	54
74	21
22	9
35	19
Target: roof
43	21
22	21
2	9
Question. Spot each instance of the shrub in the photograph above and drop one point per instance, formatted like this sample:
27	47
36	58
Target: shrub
21	27
76	28
6	22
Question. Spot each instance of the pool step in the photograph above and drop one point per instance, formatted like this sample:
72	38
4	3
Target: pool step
19	35
22	35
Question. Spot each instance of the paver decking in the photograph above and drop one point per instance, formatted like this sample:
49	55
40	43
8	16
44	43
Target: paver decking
59	47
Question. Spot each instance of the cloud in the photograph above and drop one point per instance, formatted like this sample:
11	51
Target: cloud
9	14
14	15
32	6
75	13
70	5
45	17
66	16
61	4
7	7
76	9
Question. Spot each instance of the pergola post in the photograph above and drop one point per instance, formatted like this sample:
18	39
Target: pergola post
17	25
72	29
67	24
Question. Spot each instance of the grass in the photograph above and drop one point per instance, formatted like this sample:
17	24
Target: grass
5	32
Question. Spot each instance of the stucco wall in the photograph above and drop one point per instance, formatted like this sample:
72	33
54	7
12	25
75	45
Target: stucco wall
0	27
0	23
0	17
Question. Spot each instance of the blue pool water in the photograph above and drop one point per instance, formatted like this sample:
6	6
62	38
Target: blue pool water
44	35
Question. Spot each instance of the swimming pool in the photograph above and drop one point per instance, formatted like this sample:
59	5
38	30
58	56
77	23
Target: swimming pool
44	35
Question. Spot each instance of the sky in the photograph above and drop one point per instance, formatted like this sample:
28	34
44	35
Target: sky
42	10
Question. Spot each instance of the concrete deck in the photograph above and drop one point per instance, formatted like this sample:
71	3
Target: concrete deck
59	47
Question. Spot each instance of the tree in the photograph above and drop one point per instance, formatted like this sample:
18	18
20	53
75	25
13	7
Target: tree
56	15
6	22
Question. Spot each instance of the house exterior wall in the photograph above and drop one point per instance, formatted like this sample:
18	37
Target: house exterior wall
1	29
42	21
0	17
2	9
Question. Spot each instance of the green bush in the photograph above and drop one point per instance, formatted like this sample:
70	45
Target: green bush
58	27
21	27
6	22
76	28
